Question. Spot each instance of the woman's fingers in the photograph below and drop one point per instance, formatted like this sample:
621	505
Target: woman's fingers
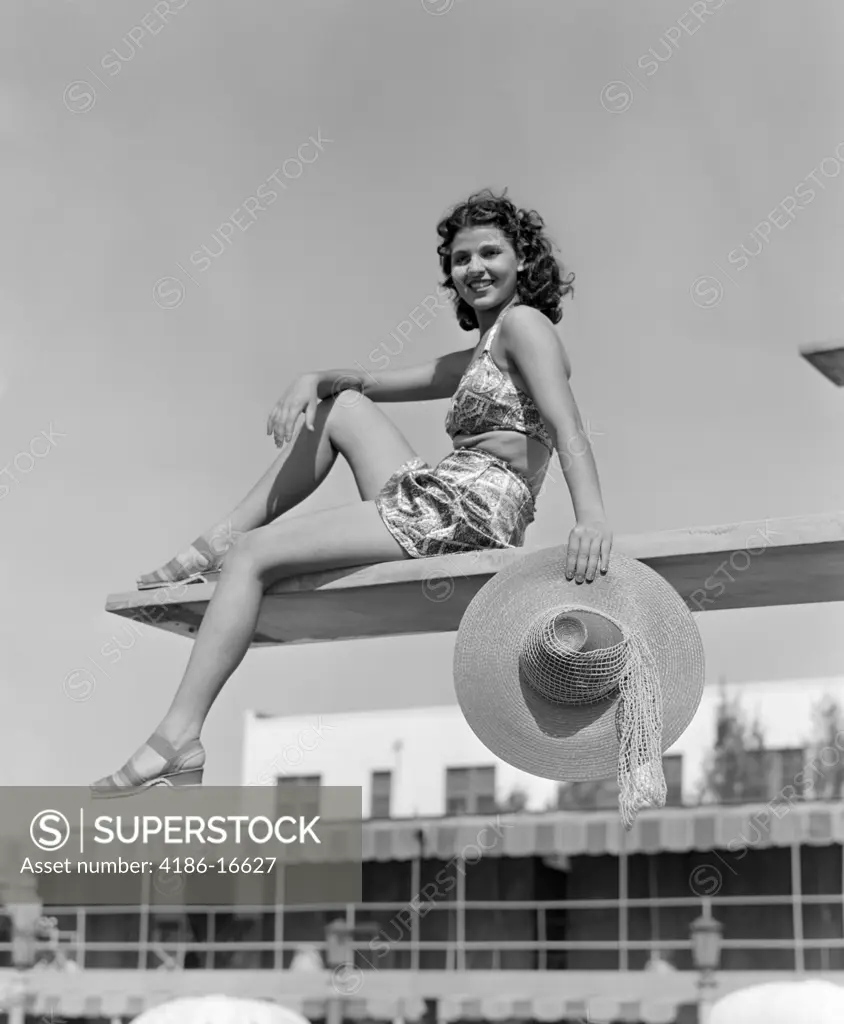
593	558
582	558
278	421
282	420
606	548
572	554
588	550
290	422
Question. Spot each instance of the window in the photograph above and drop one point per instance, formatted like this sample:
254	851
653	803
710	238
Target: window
381	788
456	805
672	769
298	794
470	790
299	780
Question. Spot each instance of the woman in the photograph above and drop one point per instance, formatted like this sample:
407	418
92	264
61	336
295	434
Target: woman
511	407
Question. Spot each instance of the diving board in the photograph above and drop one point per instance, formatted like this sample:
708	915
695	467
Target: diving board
799	560
828	359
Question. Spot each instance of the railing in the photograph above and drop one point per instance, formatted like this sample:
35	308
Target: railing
278	933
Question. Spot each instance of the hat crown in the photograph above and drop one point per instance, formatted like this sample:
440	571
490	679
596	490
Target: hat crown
573	656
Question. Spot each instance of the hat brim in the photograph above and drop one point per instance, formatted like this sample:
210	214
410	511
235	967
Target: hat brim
553	741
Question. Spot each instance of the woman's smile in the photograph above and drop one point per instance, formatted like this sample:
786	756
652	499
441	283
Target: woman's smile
484	266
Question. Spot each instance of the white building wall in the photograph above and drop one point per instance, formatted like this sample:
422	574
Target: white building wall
418	744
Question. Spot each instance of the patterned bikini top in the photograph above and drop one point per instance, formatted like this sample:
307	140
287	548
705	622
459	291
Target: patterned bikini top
486	399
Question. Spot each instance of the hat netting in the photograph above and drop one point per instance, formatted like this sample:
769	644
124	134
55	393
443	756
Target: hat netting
557	663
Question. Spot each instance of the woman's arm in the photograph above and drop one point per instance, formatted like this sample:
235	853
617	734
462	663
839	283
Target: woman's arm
427	381
533	345
436	379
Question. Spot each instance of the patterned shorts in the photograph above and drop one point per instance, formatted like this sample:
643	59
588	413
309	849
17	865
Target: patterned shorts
469	501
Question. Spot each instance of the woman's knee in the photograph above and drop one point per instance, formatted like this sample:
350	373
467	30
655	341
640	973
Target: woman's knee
245	555
345	400
345	408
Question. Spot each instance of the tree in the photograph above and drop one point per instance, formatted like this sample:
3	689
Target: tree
825	766
517	800
733	768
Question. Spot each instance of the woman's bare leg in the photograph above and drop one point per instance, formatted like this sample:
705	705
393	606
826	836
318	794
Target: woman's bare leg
351	425
349	535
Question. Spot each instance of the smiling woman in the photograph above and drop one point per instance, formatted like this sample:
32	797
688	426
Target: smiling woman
511	407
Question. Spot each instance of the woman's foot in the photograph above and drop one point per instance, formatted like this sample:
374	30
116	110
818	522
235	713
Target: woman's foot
157	763
205	555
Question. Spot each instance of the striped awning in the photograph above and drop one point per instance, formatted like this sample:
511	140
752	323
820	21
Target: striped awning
389	996
114	1005
574	833
54	1006
57	1005
374	1008
596	1010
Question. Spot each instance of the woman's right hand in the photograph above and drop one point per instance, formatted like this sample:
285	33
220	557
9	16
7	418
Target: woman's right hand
300	397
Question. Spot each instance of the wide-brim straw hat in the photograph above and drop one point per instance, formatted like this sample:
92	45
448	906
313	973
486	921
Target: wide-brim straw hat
577	682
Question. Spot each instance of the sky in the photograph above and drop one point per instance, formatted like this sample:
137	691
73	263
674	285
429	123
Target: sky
155	301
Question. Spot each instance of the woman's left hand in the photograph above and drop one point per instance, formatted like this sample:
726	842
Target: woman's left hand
590	543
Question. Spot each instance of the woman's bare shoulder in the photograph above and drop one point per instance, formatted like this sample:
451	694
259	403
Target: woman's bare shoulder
526	325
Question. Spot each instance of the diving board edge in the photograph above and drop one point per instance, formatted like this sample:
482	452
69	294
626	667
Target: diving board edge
762	563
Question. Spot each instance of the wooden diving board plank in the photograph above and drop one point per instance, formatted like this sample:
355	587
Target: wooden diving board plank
828	358
799	560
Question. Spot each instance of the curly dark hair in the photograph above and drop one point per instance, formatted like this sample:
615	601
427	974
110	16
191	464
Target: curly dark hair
540	284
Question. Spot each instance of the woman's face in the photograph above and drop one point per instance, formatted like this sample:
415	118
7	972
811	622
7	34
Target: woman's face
484	267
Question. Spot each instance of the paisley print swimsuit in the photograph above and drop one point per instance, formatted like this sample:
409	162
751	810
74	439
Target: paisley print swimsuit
471	499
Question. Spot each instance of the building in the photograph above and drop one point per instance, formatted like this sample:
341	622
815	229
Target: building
488	894
402	758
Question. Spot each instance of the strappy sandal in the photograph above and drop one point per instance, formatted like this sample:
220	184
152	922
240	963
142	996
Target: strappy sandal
182	767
